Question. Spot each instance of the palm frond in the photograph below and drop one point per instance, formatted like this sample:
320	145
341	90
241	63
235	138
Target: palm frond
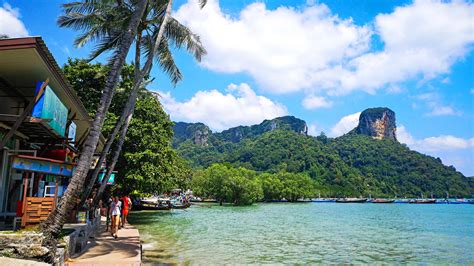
181	36
164	57
110	42
202	3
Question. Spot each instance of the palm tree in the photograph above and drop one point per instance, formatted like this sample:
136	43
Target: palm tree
155	46
120	31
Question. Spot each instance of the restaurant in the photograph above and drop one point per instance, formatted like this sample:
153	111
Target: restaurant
43	125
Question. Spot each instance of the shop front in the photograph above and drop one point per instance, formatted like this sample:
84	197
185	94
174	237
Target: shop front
42	128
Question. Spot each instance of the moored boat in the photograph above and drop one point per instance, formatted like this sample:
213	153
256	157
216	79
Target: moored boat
155	206
382	201
422	201
351	200
323	200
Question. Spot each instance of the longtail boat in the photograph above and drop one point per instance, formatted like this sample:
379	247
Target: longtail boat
422	201
382	201
351	200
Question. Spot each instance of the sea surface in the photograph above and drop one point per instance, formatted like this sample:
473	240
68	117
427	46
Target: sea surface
285	233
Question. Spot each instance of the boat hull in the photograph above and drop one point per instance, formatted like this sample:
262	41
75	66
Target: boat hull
423	201
351	200
382	201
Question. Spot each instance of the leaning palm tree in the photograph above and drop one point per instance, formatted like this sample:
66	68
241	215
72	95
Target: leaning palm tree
154	41
121	31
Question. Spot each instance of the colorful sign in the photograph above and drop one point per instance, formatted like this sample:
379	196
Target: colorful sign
35	165
71	134
50	106
111	180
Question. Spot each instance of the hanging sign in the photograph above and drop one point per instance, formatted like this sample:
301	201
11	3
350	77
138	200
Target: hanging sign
45	166
72	133
49	106
111	180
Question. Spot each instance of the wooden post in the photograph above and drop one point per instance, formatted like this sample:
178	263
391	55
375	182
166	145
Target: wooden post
23	115
56	193
24	205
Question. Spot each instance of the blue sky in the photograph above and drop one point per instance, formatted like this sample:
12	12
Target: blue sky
321	61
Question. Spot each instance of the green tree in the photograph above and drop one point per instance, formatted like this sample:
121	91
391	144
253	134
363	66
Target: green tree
156	46
148	163
89	16
238	186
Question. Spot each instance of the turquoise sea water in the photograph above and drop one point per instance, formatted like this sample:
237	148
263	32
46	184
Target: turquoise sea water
309	233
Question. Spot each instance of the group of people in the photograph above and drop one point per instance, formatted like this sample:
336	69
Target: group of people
118	211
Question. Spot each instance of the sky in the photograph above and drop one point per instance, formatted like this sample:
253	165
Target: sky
321	61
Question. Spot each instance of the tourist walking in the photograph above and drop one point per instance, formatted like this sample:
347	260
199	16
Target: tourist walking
115	208
127	204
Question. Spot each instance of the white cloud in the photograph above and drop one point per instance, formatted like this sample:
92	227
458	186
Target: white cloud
283	49
432	101
434	144
314	102
346	124
312	49
443	110
239	106
10	23
395	89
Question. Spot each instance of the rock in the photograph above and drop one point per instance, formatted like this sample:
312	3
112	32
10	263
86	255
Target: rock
31	251
201	137
378	123
7	252
197	132
291	123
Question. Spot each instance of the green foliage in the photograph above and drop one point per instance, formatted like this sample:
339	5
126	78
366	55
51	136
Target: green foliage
392	168
290	186
148	162
352	165
228	184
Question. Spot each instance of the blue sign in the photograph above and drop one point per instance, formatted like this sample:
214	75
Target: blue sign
42	166
49	106
111	180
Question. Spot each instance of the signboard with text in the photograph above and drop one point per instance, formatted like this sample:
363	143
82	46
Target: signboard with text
40	166
49	106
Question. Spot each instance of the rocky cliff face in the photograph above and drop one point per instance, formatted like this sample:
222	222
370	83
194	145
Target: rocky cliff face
378	123
291	123
202	136
197	132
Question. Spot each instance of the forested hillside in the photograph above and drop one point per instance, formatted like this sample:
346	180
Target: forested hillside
351	165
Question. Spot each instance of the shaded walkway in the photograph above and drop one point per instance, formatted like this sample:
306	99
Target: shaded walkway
105	250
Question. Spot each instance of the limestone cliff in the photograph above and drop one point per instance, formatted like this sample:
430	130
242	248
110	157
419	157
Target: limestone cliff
378	123
197	132
239	133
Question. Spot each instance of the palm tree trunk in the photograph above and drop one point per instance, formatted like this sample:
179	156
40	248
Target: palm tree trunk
131	101
53	225
118	124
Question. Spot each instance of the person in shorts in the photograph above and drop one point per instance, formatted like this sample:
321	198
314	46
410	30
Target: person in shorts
115	209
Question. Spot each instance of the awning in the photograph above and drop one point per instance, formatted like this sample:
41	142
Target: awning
42	165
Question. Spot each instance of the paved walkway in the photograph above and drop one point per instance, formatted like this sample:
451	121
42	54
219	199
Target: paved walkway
105	250
4	261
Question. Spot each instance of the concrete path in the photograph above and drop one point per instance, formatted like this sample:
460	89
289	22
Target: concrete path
105	250
4	261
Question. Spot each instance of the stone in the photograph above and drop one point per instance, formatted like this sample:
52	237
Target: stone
31	251
379	123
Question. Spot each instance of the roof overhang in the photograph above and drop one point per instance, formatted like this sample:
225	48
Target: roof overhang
25	61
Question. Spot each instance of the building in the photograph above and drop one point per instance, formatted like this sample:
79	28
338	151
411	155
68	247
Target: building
43	125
